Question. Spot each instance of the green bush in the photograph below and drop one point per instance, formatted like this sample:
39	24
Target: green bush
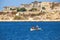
19	18
43	8
33	9
21	9
16	17
12	9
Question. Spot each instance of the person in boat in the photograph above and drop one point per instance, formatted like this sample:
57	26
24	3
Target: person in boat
33	27
37	27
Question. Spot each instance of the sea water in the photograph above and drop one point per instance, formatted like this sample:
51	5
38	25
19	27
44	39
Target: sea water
21	31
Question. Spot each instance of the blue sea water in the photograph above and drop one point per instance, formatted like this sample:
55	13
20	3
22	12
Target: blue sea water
21	31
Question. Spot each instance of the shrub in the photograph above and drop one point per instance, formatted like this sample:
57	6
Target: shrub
43	8
19	18
33	9
12	9
21	9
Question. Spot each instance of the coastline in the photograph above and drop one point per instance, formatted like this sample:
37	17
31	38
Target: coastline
35	11
29	20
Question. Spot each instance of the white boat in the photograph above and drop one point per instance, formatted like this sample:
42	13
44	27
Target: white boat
35	28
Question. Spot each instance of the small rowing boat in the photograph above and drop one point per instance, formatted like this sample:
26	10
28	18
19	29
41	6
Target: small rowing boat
35	28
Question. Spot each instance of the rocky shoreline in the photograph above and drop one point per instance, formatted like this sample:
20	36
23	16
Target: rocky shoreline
44	11
29	20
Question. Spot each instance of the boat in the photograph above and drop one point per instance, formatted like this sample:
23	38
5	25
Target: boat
35	28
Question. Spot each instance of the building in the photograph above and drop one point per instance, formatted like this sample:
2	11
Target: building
40	6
